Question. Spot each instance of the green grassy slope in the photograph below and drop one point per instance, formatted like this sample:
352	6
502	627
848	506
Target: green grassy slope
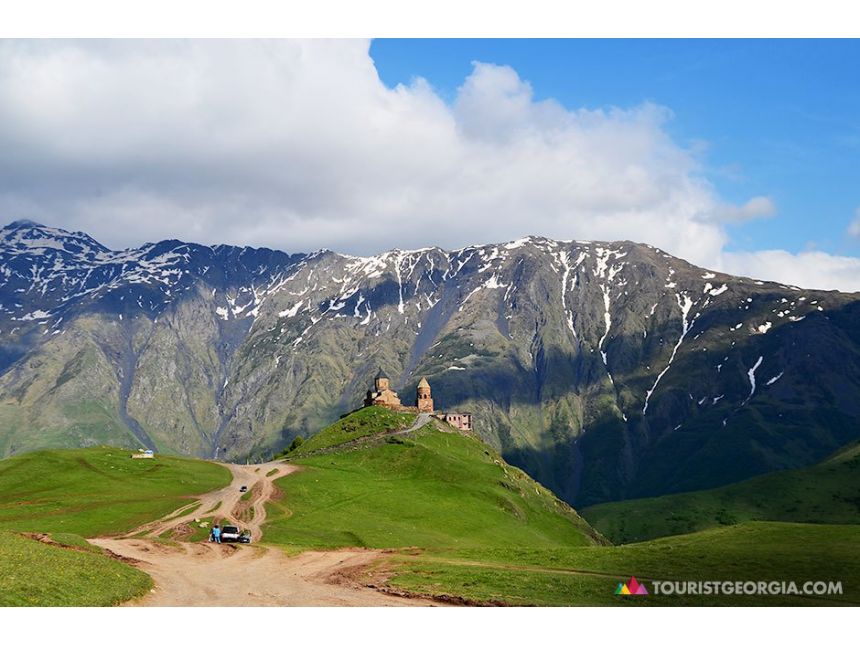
36	574
97	491
588	575
828	492
361	423
427	489
467	524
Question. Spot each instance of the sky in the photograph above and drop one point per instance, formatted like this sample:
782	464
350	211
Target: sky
741	156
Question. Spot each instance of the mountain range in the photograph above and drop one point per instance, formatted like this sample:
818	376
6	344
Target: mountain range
606	370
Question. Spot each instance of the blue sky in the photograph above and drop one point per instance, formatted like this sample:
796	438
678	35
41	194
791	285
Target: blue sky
774	117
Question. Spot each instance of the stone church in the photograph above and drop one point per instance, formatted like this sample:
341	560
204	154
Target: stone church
383	395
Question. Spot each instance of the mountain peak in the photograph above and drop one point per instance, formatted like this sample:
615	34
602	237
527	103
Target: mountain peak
28	235
24	223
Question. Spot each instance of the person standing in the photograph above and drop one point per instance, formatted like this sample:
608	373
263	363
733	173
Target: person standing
216	533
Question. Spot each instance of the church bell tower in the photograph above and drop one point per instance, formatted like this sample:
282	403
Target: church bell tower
425	399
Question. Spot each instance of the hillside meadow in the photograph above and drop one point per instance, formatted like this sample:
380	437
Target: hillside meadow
462	523
63	497
827	492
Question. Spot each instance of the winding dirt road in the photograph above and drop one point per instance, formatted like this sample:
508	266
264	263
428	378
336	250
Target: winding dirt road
206	574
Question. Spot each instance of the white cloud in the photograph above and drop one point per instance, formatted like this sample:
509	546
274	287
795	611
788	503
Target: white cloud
299	145
757	207
854	227
810	269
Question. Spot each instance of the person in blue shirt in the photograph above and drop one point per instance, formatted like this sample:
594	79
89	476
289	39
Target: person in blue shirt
216	533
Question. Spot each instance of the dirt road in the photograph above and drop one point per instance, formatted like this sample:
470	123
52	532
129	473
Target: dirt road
224	504
206	574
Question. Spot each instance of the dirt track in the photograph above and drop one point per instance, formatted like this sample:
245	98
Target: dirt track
226	501
206	574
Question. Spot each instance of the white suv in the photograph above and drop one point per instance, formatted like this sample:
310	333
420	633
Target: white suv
230	534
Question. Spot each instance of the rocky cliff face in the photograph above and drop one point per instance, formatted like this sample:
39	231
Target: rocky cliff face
606	370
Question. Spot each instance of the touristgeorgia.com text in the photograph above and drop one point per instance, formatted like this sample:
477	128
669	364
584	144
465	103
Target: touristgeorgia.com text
746	587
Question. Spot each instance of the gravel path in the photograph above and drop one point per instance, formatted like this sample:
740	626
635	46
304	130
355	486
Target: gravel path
206	574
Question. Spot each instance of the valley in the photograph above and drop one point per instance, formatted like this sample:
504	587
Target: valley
825	493
374	510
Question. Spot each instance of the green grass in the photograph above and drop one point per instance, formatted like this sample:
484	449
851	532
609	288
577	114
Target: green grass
200	534
588	575
464	523
92	492
428	489
828	492
73	540
191	509
362	423
36	574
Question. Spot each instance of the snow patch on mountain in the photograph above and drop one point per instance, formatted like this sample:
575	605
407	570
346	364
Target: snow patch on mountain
764	327
751	376
773	380
291	311
685	306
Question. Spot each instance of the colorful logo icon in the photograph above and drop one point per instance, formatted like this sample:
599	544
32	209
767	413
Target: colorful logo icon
631	587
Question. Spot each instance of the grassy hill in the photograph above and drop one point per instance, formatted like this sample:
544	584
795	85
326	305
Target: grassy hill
828	492
461	522
589	575
91	492
362	423
39	574
70	494
429	489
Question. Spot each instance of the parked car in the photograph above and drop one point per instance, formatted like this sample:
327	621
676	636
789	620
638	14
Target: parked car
243	488
245	536
230	534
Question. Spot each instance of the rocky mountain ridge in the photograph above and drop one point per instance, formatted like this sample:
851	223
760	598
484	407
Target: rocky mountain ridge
605	370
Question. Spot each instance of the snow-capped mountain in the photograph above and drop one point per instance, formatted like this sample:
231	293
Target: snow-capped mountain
606	370
48	272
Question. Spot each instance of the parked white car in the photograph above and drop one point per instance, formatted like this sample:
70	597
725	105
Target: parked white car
230	534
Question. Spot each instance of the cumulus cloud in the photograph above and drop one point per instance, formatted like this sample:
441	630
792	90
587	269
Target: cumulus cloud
298	145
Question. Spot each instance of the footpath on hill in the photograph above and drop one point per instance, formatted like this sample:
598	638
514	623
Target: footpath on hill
208	574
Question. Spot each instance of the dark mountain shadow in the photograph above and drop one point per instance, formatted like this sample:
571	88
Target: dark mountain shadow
384	293
687	440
